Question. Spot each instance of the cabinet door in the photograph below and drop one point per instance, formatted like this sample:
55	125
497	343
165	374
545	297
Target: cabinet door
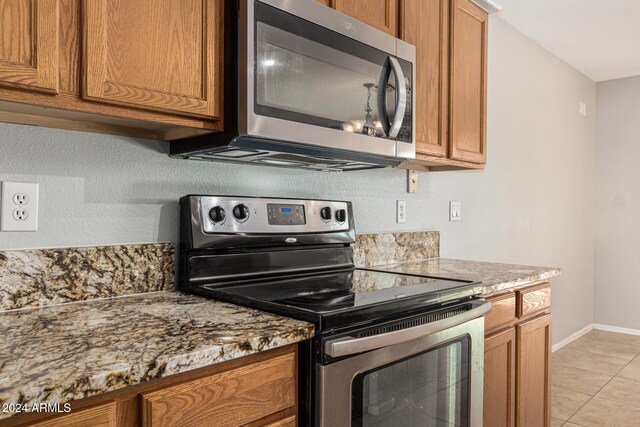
29	44
534	372
500	379
159	55
425	24
382	14
468	82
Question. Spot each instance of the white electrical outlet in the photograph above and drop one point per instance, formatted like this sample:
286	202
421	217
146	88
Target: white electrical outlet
455	211
401	211
19	206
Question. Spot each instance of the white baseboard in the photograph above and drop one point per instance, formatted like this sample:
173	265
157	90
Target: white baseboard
617	329
571	338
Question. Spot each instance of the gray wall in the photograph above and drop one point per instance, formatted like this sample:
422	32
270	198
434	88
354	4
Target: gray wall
531	205
617	268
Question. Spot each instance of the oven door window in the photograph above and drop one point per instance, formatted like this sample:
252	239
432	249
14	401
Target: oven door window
308	74
429	389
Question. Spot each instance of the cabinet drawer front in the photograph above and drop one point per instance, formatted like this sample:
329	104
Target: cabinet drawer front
287	422
101	416
533	299
231	398
503	312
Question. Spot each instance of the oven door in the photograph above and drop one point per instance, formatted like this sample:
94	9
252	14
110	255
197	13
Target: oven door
434	377
315	76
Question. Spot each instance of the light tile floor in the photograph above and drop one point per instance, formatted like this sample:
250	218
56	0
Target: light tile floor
596	382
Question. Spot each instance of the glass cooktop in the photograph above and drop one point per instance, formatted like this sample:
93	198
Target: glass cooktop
335	299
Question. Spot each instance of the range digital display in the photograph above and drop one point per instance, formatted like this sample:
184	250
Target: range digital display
286	214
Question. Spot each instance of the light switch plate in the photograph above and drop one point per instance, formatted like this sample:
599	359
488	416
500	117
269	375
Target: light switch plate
583	109
19	206
401	211
455	211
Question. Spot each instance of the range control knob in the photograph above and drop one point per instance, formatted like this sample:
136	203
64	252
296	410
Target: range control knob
217	214
341	215
325	213
241	212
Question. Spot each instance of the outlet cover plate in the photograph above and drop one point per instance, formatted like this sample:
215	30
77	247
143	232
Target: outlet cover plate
401	211
14	207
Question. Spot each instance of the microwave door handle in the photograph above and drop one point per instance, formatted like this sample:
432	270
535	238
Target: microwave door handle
401	98
346	346
382	96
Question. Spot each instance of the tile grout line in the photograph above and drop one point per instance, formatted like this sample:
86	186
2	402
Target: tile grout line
616	376
599	390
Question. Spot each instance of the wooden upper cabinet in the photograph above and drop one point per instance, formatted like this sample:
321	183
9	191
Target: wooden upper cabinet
468	82
159	55
29	44
382	14
425	24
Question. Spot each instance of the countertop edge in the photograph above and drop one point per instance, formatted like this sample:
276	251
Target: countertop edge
492	289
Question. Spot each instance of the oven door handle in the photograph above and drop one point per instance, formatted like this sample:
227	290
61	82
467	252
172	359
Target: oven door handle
346	346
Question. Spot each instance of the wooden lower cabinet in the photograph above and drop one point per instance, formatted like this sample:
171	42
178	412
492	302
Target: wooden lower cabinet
500	379
260	390
517	365
534	372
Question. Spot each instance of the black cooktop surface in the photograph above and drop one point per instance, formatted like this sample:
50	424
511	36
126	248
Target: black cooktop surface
345	298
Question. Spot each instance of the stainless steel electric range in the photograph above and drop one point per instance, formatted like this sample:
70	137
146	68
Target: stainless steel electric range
390	349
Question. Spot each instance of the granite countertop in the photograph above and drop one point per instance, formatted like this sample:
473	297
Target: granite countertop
61	353
495	277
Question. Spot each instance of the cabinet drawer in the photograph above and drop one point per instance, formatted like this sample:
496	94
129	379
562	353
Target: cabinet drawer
533	299
100	416
503	312
230	398
287	422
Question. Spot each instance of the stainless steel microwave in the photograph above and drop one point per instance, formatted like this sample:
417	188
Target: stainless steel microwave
309	87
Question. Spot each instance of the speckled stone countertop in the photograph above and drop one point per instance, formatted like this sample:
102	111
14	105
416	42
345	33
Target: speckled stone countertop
494	276
61	353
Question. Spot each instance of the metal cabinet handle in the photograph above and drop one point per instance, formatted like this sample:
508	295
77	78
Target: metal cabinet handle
346	346
392	129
